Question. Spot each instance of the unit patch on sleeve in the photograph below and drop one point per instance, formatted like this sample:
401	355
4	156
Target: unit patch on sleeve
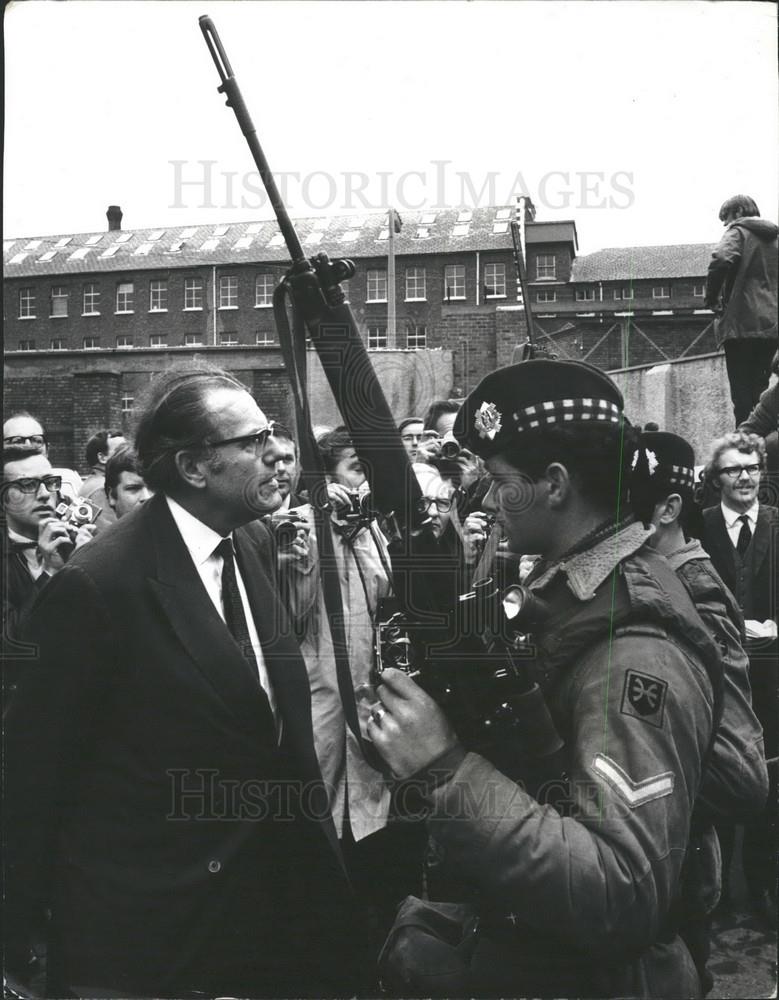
643	697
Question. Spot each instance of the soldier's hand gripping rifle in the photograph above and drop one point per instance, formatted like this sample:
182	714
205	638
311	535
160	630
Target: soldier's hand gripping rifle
312	286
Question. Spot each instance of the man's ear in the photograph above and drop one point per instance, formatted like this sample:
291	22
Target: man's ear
191	469
671	509
559	481
112	498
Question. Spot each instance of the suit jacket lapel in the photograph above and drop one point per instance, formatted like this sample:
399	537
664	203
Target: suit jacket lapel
721	546
190	611
763	539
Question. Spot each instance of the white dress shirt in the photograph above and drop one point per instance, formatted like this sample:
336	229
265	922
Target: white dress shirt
734	523
201	541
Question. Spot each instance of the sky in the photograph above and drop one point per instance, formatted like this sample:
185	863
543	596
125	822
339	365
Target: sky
636	119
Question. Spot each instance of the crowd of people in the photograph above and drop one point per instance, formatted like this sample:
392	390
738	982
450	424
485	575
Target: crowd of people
216	783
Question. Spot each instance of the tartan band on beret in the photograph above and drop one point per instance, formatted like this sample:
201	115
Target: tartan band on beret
561	411
682	475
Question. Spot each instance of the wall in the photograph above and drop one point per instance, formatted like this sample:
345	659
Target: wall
688	397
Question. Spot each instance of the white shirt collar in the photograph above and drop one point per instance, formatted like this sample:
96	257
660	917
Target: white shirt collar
198	537
732	516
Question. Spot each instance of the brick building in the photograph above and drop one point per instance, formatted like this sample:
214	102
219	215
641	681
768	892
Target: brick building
92	316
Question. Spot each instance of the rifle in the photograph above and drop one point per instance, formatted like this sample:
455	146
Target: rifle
447	651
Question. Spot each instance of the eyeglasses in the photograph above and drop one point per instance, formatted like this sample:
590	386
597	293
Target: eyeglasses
37	440
443	504
410	437
31	484
734	471
259	439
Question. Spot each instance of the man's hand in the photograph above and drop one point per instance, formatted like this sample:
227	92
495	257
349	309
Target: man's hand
339	496
407	727
475	533
54	543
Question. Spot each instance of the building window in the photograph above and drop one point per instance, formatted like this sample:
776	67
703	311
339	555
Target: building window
454	282
698	291
26	345
377	286
125	291
415	284
26	303
59	301
494	281
127	404
263	291
124	342
193	340
546	296
377	337
90	343
546	266
228	339
661	292
57	344
228	292
417	338
585	294
158	340
158	296
91	300
193	293
623	293
264	339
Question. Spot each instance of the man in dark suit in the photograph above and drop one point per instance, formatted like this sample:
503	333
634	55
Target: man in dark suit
163	797
740	535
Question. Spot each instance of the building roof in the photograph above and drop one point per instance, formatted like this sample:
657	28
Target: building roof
423	232
684	260
562	231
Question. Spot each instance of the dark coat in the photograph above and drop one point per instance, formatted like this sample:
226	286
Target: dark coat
138	754
753	580
743	274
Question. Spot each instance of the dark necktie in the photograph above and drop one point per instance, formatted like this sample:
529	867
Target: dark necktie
233	605
744	536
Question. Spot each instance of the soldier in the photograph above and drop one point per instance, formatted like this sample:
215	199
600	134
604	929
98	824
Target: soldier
580	897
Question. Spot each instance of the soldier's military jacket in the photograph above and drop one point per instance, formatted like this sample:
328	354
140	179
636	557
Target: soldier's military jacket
582	897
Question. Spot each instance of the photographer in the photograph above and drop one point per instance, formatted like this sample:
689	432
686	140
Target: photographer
36	542
572	892
383	855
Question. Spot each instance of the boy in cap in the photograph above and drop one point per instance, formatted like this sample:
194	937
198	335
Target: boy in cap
579	898
735	782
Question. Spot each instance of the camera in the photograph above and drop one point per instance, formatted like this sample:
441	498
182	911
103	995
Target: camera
77	513
284	526
359	511
450	446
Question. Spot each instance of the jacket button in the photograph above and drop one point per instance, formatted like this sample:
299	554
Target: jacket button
214	867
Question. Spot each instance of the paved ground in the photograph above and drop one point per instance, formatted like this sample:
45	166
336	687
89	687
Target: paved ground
743	950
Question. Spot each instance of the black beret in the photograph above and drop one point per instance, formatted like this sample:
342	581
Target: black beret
667	457
535	394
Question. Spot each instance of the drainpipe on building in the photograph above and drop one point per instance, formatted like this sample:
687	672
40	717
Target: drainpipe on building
478	279
213	299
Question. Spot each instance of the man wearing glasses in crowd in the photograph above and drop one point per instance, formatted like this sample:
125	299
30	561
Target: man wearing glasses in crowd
22	430
36	543
740	535
158	748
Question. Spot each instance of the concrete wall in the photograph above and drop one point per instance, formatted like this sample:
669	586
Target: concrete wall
689	397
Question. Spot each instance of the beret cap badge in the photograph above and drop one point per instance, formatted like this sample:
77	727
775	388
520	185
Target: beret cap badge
488	421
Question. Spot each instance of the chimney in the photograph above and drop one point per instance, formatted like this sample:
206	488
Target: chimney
114	216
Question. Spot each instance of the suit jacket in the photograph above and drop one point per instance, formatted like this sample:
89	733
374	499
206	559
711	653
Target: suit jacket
147	800
753	579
